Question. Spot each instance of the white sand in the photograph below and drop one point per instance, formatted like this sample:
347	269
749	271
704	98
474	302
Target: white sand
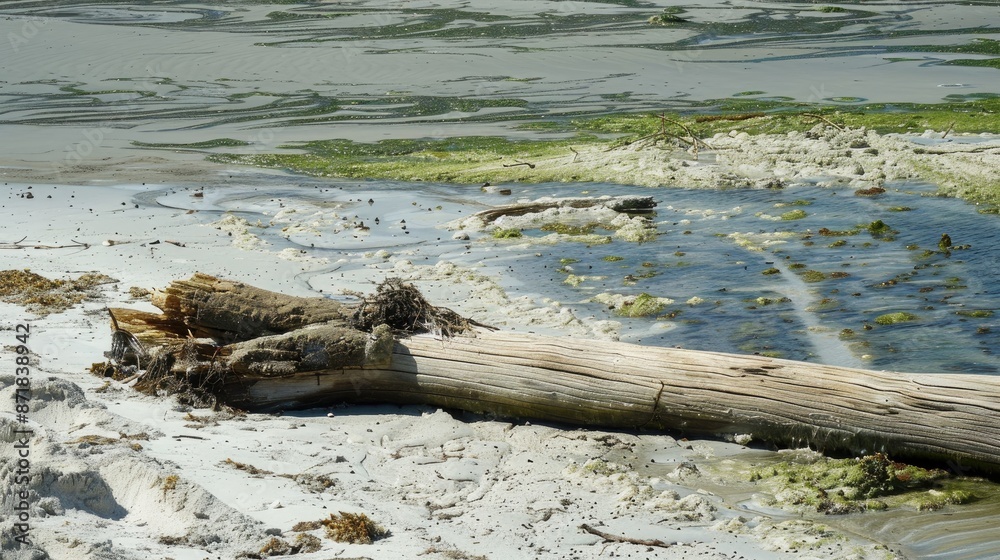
445	486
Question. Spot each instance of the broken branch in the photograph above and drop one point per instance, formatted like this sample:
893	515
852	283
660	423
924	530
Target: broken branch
608	537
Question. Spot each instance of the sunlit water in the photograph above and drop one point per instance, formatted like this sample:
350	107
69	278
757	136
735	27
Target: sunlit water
820	302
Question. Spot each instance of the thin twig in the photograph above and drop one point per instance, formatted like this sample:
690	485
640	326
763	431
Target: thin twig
950	126
18	245
530	165
824	119
608	537
694	138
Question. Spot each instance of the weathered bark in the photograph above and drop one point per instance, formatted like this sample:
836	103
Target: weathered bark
236	311
940	417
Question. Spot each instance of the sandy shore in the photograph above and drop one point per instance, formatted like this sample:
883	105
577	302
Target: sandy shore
89	89
120	475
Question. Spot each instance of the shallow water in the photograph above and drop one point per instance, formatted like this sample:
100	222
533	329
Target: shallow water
825	283
89	79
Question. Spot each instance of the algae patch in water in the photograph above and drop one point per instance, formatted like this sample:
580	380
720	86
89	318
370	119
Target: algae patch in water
642	305
811	276
217	143
895	318
796	214
878	228
43	296
975	313
570	229
871	482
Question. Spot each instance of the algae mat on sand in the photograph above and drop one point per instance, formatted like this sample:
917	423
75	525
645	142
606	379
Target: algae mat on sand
719	150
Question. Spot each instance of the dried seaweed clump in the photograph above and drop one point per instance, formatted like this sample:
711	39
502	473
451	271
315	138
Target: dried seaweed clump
355	528
43	296
180	373
401	306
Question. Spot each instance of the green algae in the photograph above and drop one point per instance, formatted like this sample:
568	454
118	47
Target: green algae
868	483
668	17
978	45
492	158
812	276
643	305
982	62
827	232
796	214
217	143
878	228
472	159
895	318
289	16
501	233
770	271
569	229
613	258
975	313
976	114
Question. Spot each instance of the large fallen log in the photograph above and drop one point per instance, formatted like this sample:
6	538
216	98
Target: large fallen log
946	418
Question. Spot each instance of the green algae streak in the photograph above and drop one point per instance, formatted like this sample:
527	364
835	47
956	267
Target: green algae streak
478	159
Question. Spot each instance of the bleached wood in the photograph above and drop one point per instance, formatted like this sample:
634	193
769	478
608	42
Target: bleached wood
948	418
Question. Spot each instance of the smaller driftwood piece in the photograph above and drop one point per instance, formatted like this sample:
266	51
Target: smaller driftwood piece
222	342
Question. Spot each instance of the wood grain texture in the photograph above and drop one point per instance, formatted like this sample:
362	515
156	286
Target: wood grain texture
939	417
946	418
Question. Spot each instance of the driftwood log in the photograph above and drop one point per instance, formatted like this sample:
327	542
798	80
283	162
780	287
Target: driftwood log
628	203
264	351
